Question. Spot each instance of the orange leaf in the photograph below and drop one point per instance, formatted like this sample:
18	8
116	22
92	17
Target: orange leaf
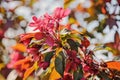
27	36
30	70
114	65
22	62
80	8
19	47
74	32
103	10
25	66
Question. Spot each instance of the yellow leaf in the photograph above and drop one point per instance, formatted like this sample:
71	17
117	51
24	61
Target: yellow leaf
50	68
58	50
2	77
67	3
72	20
30	78
2	65
74	32
54	75
19	47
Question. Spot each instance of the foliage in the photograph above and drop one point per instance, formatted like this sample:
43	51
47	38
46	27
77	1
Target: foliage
58	51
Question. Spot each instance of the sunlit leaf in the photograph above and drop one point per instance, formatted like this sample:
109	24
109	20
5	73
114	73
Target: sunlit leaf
58	50
2	77
45	77
54	75
2	10
103	10
30	70
22	62
80	8
20	47
67	3
2	65
113	65
30	78
72	18
27	36
51	73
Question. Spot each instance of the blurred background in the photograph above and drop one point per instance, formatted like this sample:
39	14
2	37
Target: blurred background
99	20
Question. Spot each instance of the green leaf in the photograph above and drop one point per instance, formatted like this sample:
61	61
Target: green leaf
89	34
59	63
73	45
45	77
104	76
48	56
65	36
91	18
101	26
78	74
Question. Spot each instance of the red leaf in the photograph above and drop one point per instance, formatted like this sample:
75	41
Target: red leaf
85	42
32	24
68	76
107	0
34	18
39	36
118	2
111	22
68	65
116	44
49	40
